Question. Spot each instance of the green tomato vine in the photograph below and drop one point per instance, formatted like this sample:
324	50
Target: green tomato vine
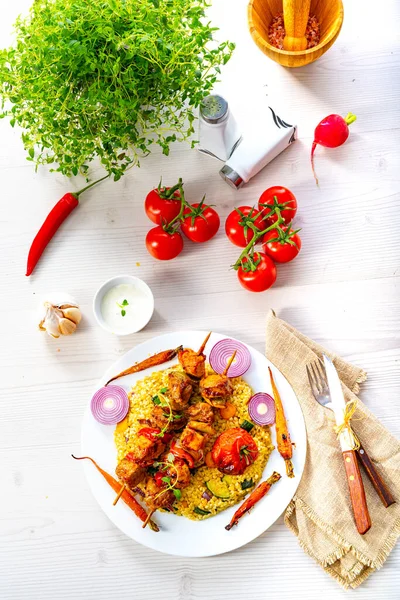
107	79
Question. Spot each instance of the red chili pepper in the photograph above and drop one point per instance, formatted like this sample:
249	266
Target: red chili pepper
54	220
181	453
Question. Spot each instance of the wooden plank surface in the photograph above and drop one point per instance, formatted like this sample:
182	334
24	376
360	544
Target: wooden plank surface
343	291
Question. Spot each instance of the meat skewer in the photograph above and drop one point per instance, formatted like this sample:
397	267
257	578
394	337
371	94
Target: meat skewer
152	361
162	489
283	440
125	495
215	388
194	363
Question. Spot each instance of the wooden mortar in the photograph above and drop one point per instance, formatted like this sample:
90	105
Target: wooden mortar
329	14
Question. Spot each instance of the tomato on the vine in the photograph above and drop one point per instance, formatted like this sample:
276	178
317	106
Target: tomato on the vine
283	246
162	244
237	225
257	273
201	222
162	205
281	198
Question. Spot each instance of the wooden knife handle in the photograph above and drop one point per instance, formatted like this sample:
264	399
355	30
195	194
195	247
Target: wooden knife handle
357	492
376	480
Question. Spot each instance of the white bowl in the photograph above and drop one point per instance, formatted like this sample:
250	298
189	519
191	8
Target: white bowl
130	280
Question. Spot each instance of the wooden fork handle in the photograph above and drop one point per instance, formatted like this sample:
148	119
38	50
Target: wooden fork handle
357	492
376	480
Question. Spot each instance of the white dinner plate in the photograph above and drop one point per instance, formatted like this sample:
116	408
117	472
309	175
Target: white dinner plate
180	536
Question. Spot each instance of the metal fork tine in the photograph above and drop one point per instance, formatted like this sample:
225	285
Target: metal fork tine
322	375
316	377
312	381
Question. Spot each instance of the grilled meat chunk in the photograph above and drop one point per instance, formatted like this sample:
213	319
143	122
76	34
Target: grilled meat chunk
130	473
191	440
201	411
179	471
180	389
192	363
156	497
146	451
160	416
216	388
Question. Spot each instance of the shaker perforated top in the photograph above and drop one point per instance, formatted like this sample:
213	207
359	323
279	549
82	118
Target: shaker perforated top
214	109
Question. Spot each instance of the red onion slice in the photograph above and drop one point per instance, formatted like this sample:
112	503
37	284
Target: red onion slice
222	352
261	409
110	405
206	496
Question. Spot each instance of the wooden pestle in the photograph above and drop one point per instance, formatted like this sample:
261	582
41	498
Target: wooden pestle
295	15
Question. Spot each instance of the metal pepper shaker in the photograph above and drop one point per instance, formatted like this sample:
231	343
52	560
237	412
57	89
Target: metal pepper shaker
219	134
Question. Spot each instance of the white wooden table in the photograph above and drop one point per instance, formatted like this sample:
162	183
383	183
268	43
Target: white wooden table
342	291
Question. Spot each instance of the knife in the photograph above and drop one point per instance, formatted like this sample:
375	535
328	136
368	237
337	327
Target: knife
347	443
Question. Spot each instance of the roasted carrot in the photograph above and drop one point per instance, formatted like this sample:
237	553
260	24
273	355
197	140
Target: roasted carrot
125	495
284	443
152	361
256	495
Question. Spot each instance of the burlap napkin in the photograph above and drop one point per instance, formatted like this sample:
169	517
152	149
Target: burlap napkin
320	514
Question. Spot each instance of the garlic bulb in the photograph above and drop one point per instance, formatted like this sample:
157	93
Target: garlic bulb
60	319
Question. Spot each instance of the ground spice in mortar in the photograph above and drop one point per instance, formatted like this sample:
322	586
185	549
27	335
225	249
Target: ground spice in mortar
276	32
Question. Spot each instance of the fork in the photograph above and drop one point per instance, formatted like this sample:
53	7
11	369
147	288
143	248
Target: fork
319	386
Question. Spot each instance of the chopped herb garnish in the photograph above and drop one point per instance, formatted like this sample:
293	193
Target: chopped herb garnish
246	484
164	390
152	470
166	479
200	511
156	400
124	303
177	493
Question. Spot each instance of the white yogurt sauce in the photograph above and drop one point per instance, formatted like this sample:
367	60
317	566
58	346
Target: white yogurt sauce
124	308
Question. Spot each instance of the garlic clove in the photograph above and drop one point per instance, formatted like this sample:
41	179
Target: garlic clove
66	326
73	314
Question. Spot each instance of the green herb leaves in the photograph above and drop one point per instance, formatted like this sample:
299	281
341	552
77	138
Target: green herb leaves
108	79
123	303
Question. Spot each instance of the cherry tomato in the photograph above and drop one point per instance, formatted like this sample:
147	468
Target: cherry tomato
162	210
233	451
201	222
283	195
163	245
236	225
281	250
262	277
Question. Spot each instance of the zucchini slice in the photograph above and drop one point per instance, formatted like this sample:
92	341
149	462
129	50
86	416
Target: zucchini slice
219	489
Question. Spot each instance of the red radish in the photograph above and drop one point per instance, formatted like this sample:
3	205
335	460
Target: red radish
331	132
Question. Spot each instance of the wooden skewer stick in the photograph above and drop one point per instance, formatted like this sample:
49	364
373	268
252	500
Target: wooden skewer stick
151	513
121	491
230	361
201	349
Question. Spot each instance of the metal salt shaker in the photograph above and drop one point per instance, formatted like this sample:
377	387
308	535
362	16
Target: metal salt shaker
219	134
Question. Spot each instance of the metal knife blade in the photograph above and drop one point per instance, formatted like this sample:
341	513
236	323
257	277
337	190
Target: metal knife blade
338	402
